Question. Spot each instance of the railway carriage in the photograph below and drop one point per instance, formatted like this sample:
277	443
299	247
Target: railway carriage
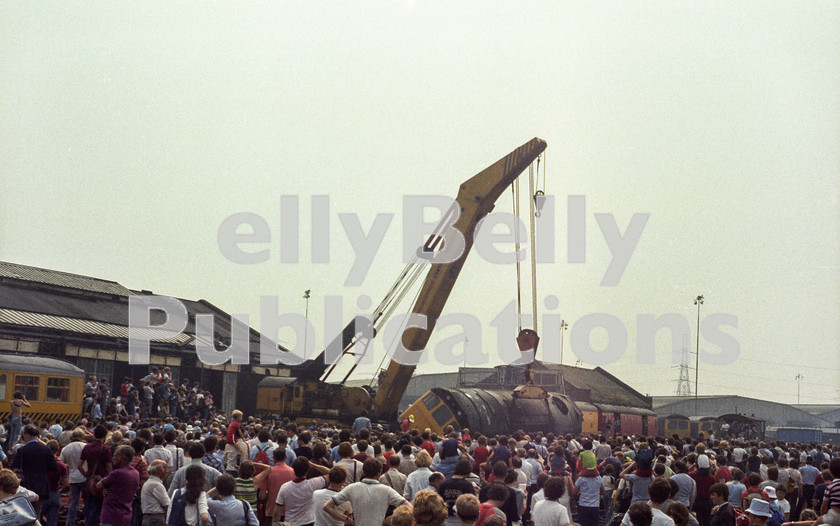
53	387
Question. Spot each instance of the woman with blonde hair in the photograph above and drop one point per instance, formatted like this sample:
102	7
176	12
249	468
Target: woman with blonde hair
429	509
419	478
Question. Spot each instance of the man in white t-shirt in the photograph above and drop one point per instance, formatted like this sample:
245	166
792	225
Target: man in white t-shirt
294	500
320	497
369	498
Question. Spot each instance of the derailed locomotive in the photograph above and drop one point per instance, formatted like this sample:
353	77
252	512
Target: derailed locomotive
494	412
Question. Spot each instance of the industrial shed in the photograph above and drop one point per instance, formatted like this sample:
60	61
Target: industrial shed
773	413
84	320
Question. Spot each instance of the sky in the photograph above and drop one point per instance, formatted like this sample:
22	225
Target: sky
130	131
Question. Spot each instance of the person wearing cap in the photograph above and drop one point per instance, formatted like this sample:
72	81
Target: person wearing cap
589	486
704	479
405	425
758	512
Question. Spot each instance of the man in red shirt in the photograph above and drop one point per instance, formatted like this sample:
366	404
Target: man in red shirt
279	474
234	442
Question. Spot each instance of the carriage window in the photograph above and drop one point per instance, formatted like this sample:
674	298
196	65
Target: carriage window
58	389
431	401
28	385
2	386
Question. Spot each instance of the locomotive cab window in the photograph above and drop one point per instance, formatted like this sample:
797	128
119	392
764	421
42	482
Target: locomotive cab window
431	401
58	389
442	415
2	386
28	385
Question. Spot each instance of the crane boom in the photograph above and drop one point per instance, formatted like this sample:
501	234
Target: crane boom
476	198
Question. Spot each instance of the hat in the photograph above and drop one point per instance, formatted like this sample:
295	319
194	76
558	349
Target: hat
587	458
703	462
771	492
759	508
167	427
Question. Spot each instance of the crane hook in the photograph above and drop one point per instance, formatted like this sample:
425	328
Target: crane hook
539	201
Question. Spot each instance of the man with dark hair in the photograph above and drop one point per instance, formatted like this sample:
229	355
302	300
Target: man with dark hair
95	463
320	498
210	458
659	491
369	498
121	485
393	477
722	513
294	500
453	488
179	480
279	474
177	453
35	459
227	509
497	494
641	514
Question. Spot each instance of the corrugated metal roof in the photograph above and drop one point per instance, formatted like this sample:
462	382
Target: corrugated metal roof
62	323
42	364
61	279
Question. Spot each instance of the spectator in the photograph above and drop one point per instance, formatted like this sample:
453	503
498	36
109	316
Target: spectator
189	505
419	479
228	510
235	446
351	465
368	498
18	403
247	483
58	480
34	460
154	500
496	496
429	509
758	512
450	490
71	456
467	508
722	513
393	477
278	475
362	422
640	514
196	459
337	476
294	500
210	458
121	484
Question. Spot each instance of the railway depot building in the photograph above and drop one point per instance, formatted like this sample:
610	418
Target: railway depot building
84	321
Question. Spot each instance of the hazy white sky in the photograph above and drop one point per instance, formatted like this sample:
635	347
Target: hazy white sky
129	133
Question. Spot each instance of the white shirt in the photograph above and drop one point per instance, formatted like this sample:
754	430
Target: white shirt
153	496
659	519
550	513
416	482
322	518
70	455
296	496
193	512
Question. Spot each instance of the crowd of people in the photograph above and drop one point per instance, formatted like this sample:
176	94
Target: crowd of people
188	464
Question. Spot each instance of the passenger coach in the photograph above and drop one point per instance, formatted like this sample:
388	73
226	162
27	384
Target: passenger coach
52	387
